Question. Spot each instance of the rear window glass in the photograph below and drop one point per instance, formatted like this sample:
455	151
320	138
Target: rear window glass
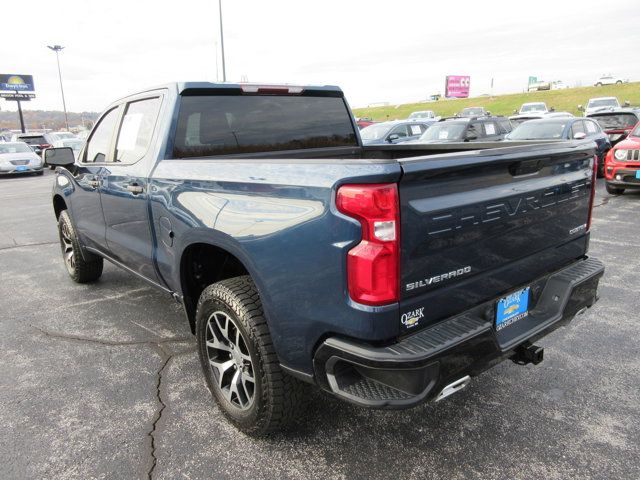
224	125
618	121
33	140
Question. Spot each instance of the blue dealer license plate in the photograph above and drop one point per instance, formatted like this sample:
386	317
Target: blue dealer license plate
512	308
638	174
22	168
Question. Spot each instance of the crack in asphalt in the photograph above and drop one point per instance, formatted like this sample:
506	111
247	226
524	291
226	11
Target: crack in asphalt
110	343
158	416
27	245
167	356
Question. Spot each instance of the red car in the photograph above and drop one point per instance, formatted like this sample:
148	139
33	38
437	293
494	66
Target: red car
364	122
622	164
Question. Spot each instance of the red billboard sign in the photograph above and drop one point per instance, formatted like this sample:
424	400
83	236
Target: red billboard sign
457	86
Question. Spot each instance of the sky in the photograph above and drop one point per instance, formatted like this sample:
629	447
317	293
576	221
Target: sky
377	51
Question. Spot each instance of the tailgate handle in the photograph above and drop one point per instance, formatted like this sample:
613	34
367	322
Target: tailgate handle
525	167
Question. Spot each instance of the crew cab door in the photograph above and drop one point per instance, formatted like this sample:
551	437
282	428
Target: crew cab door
86	206
124	187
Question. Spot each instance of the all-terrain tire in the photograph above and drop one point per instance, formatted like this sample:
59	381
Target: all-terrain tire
82	266
614	190
278	398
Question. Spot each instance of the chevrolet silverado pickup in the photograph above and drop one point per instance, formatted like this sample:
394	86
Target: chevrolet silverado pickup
386	275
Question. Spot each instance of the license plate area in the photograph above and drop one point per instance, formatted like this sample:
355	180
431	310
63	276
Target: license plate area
638	174
512	308
22	168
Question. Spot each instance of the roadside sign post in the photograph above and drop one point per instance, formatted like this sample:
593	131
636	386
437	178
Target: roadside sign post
21	117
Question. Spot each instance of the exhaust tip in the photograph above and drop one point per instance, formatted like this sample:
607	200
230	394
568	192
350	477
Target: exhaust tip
453	387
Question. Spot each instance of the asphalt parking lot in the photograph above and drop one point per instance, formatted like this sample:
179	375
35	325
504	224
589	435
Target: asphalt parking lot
103	381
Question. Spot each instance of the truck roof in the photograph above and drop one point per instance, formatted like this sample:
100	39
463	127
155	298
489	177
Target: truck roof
184	87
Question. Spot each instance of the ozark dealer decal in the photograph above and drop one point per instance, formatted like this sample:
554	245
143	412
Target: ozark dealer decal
411	319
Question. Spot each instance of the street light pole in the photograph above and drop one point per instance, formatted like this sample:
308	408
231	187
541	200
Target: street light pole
224	73
57	49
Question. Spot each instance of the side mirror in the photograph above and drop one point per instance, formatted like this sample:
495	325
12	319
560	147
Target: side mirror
580	108
470	137
488	113
515	112
393	137
59	157
552	109
627	103
580	136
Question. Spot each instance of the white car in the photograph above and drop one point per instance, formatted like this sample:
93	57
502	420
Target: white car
18	157
533	107
609	80
74	144
423	114
520	118
599	104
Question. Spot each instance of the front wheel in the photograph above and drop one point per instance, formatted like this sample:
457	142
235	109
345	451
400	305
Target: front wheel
239	361
614	190
83	267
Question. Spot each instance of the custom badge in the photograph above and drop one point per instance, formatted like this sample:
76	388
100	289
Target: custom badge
411	319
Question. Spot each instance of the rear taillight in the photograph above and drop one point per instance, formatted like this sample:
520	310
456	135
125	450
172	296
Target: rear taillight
373	265
594	177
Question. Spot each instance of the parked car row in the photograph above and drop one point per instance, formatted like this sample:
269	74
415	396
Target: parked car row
23	153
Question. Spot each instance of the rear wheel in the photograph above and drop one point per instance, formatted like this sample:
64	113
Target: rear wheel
239	361
83	267
614	190
619	82
598	84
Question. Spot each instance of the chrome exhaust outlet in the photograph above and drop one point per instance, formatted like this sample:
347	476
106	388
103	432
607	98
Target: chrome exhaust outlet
453	387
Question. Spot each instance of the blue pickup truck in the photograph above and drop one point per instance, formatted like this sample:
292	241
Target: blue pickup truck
386	275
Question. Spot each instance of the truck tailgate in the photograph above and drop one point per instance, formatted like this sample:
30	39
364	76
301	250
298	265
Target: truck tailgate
477	225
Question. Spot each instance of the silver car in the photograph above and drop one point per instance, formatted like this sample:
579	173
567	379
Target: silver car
18	157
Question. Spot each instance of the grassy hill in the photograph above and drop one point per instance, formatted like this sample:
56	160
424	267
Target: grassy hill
562	100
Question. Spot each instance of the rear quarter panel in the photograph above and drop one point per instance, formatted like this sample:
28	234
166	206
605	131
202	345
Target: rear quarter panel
278	217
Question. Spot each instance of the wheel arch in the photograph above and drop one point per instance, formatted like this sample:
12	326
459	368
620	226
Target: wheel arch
203	263
59	205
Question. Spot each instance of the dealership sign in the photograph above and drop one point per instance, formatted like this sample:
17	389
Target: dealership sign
457	86
16	83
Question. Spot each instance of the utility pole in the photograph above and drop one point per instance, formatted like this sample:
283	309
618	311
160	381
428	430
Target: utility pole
57	49
224	72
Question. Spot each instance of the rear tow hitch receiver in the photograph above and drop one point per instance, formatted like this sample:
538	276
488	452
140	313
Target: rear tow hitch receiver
528	353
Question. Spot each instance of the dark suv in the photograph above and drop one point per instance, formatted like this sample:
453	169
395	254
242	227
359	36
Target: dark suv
473	129
617	123
36	141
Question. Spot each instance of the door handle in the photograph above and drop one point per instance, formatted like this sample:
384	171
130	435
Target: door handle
94	183
135	189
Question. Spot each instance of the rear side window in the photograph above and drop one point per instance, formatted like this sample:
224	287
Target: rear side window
505	126
475	129
400	130
98	145
591	127
136	130
233	124
577	127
